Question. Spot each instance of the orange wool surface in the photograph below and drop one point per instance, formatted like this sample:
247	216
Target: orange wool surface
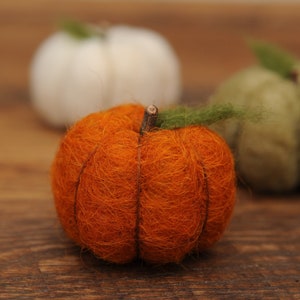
157	196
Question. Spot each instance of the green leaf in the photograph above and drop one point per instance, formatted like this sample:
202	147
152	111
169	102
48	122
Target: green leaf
77	29
273	58
187	116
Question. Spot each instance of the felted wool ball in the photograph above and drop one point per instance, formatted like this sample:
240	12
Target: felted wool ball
267	152
83	69
127	185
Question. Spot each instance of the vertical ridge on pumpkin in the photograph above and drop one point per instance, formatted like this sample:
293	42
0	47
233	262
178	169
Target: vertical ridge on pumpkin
138	200
71	155
219	168
207	200
106	200
148	122
78	181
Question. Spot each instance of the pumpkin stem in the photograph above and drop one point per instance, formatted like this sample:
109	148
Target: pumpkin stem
294	76
149	120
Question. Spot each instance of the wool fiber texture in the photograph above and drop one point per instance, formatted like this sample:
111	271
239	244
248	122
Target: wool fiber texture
267	152
156	197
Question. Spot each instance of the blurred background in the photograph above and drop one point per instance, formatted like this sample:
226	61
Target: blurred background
208	37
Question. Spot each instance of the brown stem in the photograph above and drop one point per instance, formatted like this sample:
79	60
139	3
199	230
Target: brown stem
294	76
149	120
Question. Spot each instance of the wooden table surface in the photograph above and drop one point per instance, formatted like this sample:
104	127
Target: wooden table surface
259	256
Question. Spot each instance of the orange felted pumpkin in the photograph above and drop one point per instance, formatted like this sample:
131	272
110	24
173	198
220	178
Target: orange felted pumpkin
127	191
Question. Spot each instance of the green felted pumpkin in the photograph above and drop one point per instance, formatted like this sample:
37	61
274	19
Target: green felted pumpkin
267	152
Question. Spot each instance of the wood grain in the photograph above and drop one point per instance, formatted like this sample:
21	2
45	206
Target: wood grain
258	258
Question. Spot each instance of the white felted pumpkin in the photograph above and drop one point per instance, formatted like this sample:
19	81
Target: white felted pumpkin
267	153
83	69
